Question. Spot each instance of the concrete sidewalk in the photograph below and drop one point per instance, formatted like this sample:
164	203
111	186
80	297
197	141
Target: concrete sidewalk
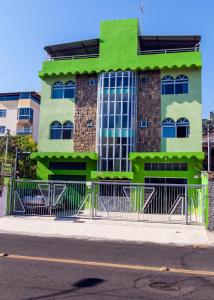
107	230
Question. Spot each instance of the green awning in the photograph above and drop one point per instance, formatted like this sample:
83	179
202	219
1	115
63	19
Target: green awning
166	155
111	175
64	155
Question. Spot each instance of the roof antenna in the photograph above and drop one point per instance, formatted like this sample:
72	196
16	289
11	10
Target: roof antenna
141	10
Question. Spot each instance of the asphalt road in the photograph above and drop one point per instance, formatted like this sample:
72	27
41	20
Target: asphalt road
60	276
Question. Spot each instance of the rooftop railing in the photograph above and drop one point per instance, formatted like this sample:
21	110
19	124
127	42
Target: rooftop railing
175	50
73	57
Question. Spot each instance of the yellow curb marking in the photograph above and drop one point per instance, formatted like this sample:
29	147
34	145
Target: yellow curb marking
110	265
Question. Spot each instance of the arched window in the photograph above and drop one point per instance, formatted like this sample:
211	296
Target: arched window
58	90
69	89
56	130
181	84
67	130
182	128
168	128
167	85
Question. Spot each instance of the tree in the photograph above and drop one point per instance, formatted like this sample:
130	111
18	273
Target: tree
25	145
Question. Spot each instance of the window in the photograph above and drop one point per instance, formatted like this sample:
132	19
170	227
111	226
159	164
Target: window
56	130
2	129
168	128
25	113
3	113
92	82
182	128
59	131
67	90
89	124
143	79
67	166
167	85
67	132
58	89
181	84
165	166
143	124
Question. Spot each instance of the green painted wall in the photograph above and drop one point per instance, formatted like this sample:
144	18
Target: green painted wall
187	106
54	110
193	174
43	170
118	51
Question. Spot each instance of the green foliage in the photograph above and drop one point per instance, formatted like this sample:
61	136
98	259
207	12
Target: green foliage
24	143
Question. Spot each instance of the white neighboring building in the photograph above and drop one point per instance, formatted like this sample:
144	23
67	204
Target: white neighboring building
19	112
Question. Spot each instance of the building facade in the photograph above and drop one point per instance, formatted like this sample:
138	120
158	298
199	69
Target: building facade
19	113
122	107
208	134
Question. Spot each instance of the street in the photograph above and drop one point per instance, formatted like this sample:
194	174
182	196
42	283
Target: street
56	268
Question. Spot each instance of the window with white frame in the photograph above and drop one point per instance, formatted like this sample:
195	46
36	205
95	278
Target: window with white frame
25	113
178	129
67	90
60	131
179	85
168	85
117	110
92	82
168	128
182	128
3	113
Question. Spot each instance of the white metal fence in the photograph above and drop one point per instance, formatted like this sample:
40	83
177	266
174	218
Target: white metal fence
110	200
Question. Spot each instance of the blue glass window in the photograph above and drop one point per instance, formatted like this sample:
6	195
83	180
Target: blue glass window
181	84
58	90
67	130
25	113
2	130
3	113
61	90
69	89
168	128
56	131
167	85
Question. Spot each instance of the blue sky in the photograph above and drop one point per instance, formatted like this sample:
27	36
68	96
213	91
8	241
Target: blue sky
26	26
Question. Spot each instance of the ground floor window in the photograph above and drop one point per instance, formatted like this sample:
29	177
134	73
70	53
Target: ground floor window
165	166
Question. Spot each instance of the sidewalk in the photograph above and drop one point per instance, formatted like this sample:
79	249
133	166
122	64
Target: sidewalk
107	230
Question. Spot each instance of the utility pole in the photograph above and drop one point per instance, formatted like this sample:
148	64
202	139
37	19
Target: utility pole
208	145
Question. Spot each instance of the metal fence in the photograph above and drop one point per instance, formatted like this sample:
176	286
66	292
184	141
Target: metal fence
110	200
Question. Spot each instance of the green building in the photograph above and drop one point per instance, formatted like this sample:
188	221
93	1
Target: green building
123	106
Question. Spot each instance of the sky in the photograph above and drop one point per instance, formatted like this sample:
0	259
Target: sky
26	26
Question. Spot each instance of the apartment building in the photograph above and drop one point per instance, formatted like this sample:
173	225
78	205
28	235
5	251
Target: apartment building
19	113
123	106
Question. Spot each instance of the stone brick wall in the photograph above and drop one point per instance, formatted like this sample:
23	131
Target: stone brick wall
149	108
85	110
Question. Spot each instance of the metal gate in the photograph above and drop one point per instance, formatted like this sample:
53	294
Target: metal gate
110	200
60	198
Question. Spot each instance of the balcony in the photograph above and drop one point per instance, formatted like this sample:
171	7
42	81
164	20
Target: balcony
26	130
166	51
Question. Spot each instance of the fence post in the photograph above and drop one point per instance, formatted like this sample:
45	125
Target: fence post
186	204
92	200
12	190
